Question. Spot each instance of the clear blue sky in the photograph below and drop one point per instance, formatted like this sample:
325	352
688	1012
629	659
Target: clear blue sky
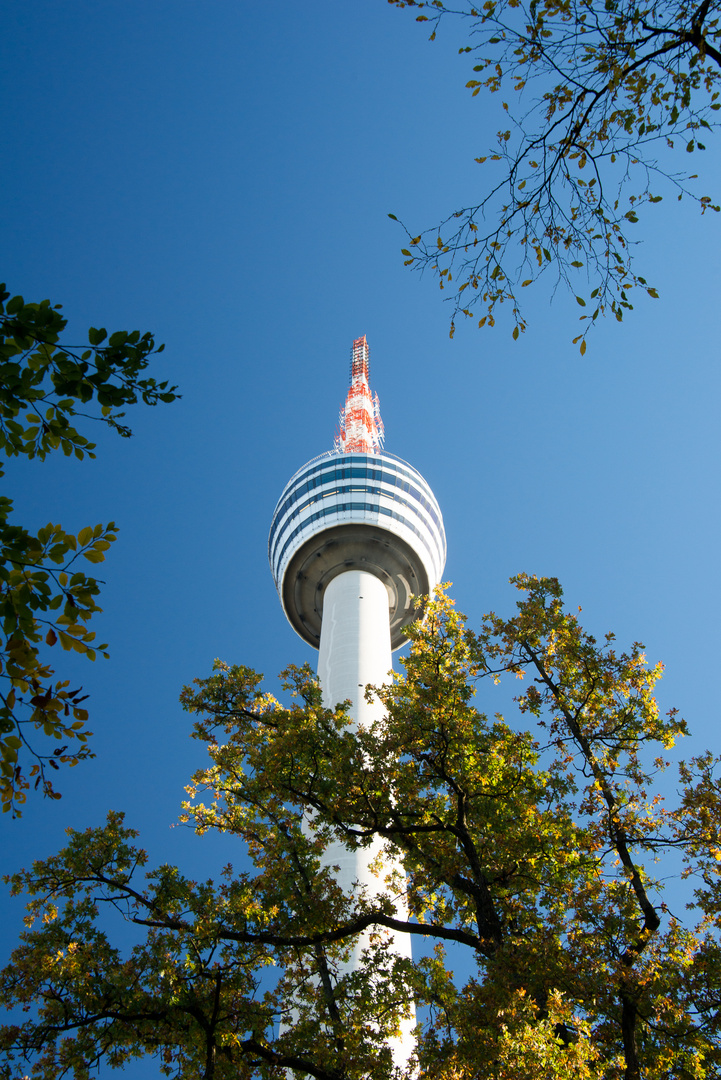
222	174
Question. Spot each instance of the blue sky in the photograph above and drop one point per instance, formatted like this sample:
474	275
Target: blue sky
223	175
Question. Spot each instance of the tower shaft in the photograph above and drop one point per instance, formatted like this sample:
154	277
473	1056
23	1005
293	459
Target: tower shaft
355	650
355	642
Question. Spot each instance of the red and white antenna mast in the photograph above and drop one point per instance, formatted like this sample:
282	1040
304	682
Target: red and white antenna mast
361	427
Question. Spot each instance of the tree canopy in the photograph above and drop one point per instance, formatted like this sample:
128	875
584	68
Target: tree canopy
45	596
547	944
595	93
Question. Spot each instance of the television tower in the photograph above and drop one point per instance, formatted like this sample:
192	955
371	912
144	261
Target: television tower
355	535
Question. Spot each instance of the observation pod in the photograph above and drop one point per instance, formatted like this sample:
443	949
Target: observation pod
355	511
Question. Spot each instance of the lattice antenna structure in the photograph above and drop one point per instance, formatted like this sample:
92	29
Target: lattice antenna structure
360	425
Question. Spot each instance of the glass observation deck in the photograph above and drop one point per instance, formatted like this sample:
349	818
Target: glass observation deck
363	511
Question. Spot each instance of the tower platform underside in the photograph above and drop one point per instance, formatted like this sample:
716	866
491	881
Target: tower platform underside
352	547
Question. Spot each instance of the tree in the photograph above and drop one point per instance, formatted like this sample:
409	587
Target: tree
595	92
548	947
44	595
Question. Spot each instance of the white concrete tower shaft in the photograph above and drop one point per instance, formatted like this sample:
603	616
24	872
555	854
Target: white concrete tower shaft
355	651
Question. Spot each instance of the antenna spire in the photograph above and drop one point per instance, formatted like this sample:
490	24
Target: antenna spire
360	424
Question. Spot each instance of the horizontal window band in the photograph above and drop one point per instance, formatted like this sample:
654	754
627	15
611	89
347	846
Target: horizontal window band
339	508
331	473
280	526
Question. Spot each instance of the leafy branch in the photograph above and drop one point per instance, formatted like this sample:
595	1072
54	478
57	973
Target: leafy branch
614	82
45	598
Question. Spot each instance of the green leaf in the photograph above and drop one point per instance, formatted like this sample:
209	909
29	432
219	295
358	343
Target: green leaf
14	305
94	556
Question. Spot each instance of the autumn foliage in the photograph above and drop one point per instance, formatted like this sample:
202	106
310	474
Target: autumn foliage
537	853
